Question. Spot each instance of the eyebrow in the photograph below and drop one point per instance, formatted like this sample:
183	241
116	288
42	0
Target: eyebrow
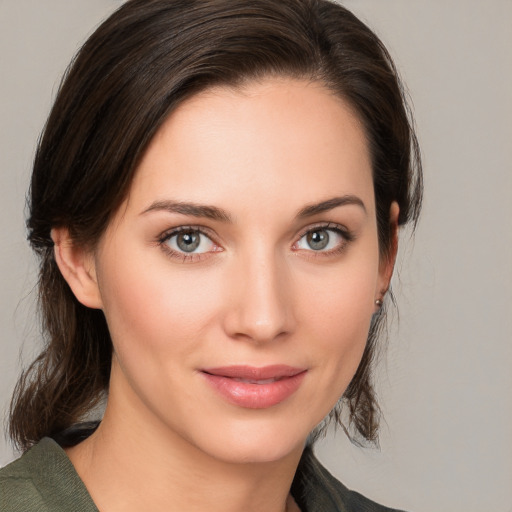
192	209
216	213
329	204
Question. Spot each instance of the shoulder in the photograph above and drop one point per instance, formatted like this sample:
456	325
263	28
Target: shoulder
18	483
315	490
43	480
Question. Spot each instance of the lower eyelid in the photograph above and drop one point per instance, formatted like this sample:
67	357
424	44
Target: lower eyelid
345	235
182	256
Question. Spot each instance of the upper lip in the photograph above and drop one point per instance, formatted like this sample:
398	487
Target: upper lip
276	371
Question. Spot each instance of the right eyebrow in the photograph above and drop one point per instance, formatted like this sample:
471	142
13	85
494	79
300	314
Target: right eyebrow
192	209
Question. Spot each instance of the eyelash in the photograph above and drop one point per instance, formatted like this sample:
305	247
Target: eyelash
342	231
184	257
164	238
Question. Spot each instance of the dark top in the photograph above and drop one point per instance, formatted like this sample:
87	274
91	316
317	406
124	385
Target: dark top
45	480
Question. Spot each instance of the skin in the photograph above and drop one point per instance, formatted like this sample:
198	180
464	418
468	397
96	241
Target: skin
255	293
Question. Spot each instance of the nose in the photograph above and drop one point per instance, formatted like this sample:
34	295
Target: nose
260	302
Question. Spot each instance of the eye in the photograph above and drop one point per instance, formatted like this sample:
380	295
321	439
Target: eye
322	239
189	241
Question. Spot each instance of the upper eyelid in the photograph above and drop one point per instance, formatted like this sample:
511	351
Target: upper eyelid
348	236
340	228
325	225
191	257
168	233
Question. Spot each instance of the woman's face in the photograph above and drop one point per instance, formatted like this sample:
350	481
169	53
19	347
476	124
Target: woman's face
239	277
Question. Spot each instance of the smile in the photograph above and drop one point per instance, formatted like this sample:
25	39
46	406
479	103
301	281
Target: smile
266	381
255	388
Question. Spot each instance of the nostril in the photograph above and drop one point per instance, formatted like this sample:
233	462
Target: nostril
260	308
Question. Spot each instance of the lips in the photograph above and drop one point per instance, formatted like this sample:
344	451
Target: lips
255	388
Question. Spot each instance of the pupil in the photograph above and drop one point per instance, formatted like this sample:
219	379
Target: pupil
318	239
188	242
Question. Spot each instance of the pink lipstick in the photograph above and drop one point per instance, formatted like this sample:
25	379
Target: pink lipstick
255	388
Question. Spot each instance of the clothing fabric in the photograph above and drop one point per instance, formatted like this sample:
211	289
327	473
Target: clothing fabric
45	480
316	490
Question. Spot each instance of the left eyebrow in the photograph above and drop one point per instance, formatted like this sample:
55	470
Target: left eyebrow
329	204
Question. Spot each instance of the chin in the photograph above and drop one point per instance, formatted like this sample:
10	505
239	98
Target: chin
252	453
255	443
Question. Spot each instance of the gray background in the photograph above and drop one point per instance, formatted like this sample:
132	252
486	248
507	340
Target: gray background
446	382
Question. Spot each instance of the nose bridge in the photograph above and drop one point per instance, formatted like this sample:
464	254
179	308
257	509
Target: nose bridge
262	306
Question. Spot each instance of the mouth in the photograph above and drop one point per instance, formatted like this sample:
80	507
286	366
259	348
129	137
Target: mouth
255	388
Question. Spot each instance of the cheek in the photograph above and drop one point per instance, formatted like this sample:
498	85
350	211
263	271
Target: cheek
341	333
340	300
149	309
338	319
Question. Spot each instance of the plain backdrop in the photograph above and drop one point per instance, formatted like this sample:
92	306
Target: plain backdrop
446	382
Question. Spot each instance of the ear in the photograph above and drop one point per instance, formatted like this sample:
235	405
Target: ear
387	263
78	268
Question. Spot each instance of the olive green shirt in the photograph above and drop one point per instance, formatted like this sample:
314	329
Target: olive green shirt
45	480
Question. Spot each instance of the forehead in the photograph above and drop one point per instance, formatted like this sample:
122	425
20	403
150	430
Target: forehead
269	139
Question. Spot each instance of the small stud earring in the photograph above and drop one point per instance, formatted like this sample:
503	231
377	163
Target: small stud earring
378	303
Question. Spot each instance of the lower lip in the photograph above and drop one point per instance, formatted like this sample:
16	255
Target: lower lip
255	396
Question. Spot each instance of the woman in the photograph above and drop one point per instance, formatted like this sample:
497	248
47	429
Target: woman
215	201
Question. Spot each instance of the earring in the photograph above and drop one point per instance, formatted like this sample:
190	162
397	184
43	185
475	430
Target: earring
378	303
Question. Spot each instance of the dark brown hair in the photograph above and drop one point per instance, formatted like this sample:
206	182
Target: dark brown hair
127	78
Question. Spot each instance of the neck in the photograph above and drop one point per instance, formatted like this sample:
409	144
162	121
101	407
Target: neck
132	465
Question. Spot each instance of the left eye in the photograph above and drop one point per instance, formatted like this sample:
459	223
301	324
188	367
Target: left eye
190	241
320	239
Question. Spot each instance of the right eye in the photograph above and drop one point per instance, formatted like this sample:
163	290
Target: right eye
188	242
